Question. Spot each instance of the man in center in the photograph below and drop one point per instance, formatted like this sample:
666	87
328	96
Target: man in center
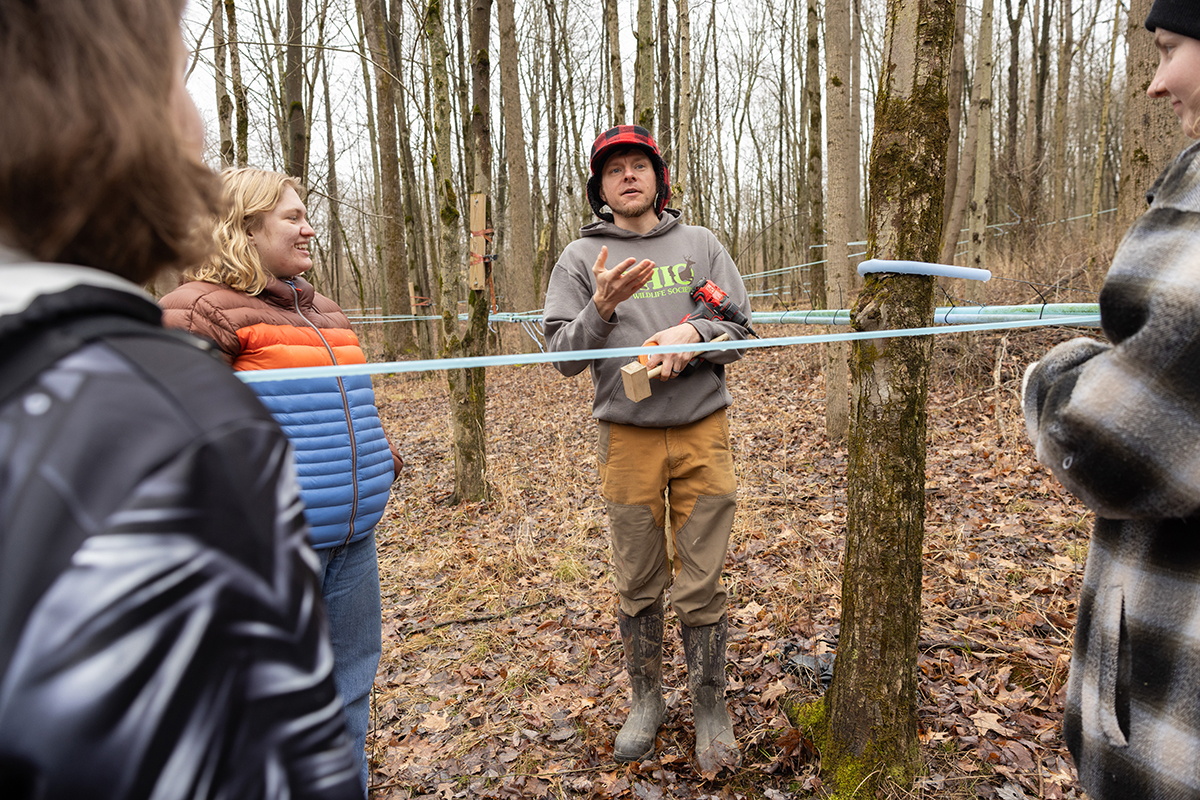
626	282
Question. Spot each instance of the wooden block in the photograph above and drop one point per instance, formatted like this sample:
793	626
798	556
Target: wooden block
635	381
477	270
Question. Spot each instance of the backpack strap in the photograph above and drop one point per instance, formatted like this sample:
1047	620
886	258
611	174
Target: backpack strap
29	353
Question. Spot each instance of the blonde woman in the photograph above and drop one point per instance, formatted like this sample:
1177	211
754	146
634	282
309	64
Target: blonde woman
251	299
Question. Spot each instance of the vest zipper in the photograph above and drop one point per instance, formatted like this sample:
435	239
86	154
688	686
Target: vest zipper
345	409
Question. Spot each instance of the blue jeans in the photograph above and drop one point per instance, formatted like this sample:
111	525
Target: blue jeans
350	585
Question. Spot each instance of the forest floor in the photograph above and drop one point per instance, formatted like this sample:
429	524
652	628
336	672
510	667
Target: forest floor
502	671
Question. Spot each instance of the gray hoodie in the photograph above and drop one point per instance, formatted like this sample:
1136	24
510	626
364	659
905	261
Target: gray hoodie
572	322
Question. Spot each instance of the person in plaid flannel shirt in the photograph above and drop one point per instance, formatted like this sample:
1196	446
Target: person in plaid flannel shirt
1119	425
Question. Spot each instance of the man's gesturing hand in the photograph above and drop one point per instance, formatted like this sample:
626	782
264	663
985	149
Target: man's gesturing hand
616	285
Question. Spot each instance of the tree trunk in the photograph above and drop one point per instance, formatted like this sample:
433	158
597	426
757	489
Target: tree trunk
839	282
372	131
574	144
224	102
800	284
481	116
977	228
1152	134
549	237
613	26
416	247
466	163
466	390
664	82
856	202
816	197
241	103
415	235
872	701
397	338
293	89
680	176
723	190
1037	167
962	187
481	135
1102	139
958	70
643	67
1062	91
1011	169
518	275
271	38
336	243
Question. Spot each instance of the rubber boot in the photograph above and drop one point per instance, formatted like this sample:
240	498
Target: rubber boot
642	637
704	647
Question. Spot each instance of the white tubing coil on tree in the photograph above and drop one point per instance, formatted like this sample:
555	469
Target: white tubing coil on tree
922	268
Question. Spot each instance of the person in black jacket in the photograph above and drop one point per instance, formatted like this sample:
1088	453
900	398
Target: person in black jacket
161	628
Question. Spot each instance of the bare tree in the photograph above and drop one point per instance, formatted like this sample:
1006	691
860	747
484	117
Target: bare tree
481	135
372	129
958	70
481	116
273	69
613	27
224	102
466	164
977	228
293	88
1102	139
241	103
397	338
1152	134
415	235
1037	166
664	82
856	194
548	247
962	187
683	12
838	278
1062	91
872	701
1012	186
336	238
816	195
466	387
519	275
643	67
573	122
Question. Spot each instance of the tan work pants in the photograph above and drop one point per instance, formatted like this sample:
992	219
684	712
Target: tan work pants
694	464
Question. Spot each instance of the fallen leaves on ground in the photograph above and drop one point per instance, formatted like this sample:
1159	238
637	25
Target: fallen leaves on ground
502	673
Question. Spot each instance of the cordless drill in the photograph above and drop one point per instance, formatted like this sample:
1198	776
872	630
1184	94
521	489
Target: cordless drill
713	303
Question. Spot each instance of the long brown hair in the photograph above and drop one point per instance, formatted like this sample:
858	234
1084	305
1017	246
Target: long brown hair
93	167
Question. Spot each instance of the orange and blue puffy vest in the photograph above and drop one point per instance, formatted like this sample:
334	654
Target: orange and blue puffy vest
343	461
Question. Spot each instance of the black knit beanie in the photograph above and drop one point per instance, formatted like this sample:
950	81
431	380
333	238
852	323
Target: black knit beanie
1176	16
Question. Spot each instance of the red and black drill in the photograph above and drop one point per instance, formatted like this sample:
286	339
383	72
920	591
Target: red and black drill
712	303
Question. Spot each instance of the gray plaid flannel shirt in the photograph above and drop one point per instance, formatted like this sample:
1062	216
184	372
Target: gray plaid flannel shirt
1119	425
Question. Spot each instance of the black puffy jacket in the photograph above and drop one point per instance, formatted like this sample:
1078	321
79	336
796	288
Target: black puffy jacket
161	628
